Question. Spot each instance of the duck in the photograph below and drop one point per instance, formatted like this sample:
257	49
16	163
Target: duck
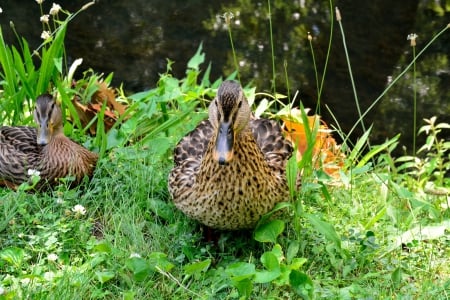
231	169
45	149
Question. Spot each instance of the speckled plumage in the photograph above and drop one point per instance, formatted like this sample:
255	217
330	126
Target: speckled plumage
44	149
230	191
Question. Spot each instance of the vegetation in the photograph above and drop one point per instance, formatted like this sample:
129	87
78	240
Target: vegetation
377	227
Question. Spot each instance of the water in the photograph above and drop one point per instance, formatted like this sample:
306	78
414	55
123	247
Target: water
135	38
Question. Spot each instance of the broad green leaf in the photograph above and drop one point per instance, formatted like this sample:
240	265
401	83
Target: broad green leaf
197	59
13	255
326	229
104	276
396	276
262	107
244	287
240	271
266	276
292	250
270	262
103	246
302	284
158	260
297	263
197	267
139	267
268	232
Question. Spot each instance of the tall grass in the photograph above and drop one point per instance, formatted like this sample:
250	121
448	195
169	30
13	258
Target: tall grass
375	230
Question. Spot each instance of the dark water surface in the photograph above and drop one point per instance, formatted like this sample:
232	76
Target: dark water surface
134	38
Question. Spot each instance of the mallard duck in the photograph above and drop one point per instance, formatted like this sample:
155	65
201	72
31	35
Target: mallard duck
230	170
45	149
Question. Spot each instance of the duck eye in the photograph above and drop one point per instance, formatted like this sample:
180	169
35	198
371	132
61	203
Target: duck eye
239	104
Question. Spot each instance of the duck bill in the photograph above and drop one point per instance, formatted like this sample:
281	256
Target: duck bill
43	134
223	152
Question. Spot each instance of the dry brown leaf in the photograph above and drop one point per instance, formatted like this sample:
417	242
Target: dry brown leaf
87	112
326	152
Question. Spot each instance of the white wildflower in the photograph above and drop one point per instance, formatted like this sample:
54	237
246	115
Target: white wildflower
25	281
45	35
52	257
1	10
134	254
55	9
59	200
79	209
32	172
49	276
2	290
412	37
39	1
44	18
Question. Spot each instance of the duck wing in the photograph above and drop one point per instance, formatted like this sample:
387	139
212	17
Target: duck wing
22	138
269	137
19	152
193	146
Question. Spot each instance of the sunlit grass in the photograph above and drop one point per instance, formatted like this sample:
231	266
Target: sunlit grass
377	230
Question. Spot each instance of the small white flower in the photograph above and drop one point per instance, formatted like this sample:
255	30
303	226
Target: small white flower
39	1
25	281
32	172
134	254
45	35
2	290
412	36
52	257
44	18
49	276
55	9
1	10
59	200
79	209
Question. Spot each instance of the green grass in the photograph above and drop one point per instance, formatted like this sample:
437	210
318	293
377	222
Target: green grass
380	231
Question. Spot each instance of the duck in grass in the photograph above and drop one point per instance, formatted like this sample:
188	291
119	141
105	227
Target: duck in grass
45	149
230	170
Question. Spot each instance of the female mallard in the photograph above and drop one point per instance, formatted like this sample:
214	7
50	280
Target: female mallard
45	149
230	170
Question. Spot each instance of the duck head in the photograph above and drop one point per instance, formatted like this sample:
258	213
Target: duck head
48	117
229	114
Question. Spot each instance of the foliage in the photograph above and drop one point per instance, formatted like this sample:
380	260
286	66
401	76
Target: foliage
376	230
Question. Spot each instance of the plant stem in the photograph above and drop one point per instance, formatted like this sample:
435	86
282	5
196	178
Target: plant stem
228	17
394	81
273	51
319	94
338	18
415	101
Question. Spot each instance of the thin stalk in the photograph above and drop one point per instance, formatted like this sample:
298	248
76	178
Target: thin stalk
273	51
315	73
319	94
285	64
339	19
413	37
228	16
394	81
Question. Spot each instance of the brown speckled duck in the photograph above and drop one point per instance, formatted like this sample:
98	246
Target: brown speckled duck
230	170
45	149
